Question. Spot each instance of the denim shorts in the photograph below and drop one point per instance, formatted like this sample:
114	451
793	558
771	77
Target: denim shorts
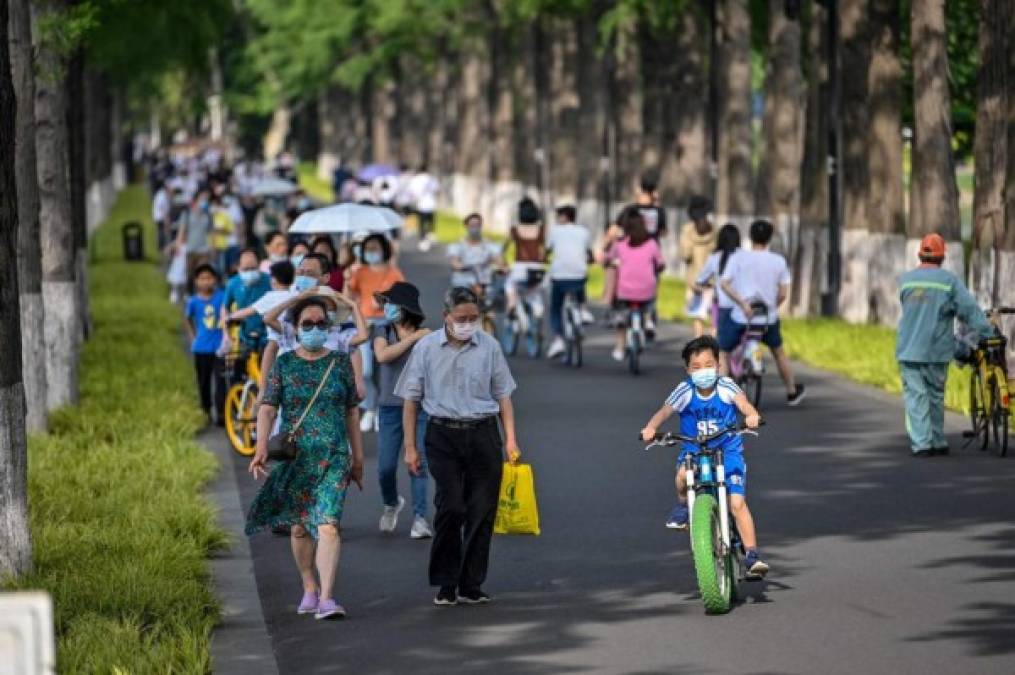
730	333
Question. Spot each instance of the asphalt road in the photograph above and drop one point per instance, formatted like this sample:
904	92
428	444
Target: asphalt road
880	562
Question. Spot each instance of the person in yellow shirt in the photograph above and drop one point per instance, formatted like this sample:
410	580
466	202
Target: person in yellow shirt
697	241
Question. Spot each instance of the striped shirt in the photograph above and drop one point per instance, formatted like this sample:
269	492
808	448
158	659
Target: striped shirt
701	415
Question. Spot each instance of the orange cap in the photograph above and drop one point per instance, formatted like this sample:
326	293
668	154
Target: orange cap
932	246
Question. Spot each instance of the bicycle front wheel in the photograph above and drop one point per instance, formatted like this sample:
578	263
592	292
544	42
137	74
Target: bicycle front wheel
978	409
710	562
240	421
634	354
998	418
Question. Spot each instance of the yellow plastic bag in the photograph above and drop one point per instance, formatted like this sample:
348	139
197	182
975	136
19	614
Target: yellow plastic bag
517	512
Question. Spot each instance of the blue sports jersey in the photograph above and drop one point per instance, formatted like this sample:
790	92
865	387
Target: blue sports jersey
700	415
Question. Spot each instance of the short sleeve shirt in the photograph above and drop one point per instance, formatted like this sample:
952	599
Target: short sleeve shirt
706	415
480	256
203	313
757	275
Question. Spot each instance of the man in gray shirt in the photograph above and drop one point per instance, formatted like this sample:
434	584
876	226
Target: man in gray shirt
461	379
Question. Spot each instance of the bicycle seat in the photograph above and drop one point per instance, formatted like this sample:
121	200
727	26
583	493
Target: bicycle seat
534	276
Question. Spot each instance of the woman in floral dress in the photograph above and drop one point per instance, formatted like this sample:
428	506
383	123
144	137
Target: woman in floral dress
307	494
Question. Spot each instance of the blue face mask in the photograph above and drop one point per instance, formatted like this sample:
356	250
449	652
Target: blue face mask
304	283
297	259
392	313
313	340
704	378
373	257
249	277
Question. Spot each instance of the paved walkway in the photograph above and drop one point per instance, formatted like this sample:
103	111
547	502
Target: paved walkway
881	563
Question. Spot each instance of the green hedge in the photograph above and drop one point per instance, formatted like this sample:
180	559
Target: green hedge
120	528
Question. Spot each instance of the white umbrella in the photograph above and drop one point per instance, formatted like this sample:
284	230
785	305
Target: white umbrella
346	218
274	187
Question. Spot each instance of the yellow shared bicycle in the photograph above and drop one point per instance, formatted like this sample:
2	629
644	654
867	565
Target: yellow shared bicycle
989	388
243	371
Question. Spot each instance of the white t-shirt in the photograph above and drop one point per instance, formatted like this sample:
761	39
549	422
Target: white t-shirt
570	245
423	189
757	275
481	255
708	276
161	206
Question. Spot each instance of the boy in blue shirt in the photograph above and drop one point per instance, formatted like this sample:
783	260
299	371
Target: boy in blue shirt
708	403
245	288
201	322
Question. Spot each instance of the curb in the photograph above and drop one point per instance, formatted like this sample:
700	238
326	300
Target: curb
240	643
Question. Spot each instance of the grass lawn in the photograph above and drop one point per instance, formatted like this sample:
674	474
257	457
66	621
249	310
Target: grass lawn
121	530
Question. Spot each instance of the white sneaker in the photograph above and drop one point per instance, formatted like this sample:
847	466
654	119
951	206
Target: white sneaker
587	318
420	529
389	519
424	245
366	422
618	355
556	348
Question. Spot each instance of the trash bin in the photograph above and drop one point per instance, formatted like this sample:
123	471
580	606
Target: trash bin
133	244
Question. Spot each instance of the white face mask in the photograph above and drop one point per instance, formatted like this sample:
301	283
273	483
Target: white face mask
464	331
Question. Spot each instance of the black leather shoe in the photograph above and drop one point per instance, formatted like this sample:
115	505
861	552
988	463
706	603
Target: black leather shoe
923	453
939	451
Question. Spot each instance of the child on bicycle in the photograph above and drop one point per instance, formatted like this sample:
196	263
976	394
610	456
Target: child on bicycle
708	403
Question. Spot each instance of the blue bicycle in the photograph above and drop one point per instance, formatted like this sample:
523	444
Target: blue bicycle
716	547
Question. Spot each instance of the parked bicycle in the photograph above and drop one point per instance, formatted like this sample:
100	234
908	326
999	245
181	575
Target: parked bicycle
718	553
747	361
990	388
525	320
243	372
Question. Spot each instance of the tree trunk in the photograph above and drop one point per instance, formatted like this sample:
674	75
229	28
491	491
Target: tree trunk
934	191
734	193
885	219
991	150
627	111
1006	255
78	175
809	266
854	50
33	350
684	164
565	135
15	541
504	189
277	136
779	174
59	286
591	119
471	166
329	114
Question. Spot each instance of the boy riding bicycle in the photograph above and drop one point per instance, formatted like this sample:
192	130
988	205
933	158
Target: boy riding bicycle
707	403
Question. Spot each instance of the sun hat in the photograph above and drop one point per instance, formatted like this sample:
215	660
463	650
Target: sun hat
402	294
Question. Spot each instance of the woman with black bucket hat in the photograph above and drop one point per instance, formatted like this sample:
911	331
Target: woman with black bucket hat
393	340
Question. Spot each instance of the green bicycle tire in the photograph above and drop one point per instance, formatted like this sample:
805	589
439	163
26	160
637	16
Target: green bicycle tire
704	535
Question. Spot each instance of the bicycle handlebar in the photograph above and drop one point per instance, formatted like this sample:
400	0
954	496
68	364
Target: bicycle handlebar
670	439
1001	310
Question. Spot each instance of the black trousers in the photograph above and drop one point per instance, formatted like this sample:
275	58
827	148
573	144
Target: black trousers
466	465
209	373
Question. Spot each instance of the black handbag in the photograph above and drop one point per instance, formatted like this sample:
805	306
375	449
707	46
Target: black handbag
282	447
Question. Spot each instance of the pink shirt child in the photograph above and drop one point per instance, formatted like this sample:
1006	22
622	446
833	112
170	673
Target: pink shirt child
636	275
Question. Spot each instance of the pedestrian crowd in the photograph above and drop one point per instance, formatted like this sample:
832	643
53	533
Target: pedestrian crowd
343	349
